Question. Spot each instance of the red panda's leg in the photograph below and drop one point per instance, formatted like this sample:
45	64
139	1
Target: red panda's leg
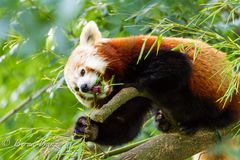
163	77
122	126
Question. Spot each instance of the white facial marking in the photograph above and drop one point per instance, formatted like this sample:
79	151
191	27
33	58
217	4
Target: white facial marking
96	63
88	80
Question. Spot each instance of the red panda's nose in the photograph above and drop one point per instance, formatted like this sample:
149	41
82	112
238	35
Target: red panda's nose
84	88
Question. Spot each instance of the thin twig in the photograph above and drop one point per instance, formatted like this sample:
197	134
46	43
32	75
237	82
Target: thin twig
30	98
118	150
24	103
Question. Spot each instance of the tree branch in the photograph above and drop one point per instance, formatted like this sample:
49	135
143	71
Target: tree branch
117	150
174	146
165	146
124	95
99	115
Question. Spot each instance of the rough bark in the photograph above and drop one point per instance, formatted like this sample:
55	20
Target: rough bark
174	146
99	115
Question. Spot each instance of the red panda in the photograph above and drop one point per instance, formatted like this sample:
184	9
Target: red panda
187	85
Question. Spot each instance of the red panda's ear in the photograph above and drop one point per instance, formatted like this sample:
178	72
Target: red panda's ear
90	34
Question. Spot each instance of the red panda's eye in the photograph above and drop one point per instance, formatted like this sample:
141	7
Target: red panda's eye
82	73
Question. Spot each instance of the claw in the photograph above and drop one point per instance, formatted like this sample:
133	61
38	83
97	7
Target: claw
162	123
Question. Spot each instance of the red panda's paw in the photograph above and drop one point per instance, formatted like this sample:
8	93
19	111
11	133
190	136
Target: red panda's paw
85	128
162	123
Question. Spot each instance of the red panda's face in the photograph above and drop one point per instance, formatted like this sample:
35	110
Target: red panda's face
85	69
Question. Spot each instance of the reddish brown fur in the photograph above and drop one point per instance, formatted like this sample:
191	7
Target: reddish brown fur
206	78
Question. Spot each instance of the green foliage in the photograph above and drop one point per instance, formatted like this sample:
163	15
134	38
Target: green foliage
36	37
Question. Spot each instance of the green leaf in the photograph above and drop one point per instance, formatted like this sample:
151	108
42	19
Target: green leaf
142	51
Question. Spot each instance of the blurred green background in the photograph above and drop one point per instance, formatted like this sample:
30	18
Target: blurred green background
37	36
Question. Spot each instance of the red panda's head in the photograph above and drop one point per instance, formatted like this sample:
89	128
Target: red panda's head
85	68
